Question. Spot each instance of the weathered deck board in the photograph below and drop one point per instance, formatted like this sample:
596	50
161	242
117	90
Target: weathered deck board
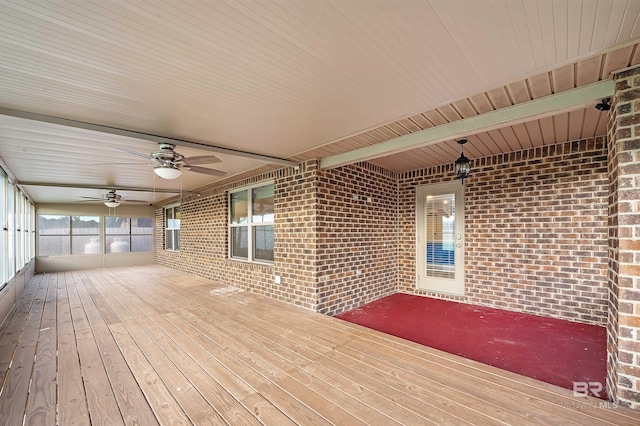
72	403
15	389
11	329
41	407
129	397
152	345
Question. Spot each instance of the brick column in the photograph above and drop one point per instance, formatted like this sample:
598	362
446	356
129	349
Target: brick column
623	364
296	234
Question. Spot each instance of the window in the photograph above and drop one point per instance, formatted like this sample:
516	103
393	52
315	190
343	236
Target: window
251	216
11	226
54	234
85	235
16	223
172	228
4	269
128	234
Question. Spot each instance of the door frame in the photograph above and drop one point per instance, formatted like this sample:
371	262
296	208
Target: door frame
454	286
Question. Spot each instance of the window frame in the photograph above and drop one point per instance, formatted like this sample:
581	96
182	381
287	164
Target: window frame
250	225
175	231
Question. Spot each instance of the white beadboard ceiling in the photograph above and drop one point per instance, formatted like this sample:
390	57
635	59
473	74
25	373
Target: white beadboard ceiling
289	79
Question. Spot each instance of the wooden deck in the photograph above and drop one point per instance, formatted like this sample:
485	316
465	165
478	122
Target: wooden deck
151	345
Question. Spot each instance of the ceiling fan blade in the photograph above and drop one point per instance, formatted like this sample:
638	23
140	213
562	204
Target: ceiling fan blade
130	151
201	159
92	198
130	163
126	200
204	170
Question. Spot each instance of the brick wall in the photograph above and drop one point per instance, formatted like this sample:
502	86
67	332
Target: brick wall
295	239
357	244
536	234
322	237
624	241
535	229
612	275
204	239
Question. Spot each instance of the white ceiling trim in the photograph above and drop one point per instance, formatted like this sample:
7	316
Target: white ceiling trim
107	187
566	101
140	135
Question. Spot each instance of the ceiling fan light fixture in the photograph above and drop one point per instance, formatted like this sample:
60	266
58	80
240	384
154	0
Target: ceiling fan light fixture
112	203
167	172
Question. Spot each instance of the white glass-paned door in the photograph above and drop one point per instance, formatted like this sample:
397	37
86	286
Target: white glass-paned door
440	238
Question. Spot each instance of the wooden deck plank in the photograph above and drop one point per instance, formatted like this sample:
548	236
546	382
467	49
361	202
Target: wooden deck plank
294	388
376	393
160	337
41	407
284	402
197	409
72	403
480	396
291	377
553	399
15	389
101	401
440	414
164	406
11	329
233	325
131	401
534	408
288	404
224	323
320	398
557	409
163	332
562	409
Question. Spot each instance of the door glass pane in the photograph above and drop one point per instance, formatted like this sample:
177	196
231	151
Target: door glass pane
440	235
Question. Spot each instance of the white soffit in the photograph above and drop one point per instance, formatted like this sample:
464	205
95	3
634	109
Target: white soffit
538	108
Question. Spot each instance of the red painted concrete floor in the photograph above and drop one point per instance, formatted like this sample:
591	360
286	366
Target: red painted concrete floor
554	351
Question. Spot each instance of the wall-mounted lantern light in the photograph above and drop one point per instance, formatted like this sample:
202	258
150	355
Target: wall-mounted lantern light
462	164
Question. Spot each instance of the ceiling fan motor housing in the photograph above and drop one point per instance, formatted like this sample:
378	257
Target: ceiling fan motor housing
166	155
112	196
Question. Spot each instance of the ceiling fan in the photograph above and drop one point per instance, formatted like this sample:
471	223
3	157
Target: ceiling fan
169	164
111	199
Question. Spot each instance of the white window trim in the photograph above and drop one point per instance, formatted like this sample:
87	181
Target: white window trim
250	225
